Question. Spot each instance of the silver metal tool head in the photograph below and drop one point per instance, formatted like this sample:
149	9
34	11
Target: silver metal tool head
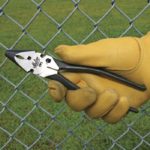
37	63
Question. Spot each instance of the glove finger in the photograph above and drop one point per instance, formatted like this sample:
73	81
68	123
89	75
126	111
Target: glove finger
56	90
97	54
104	103
80	99
119	110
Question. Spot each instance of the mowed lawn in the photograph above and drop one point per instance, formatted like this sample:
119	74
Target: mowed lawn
29	118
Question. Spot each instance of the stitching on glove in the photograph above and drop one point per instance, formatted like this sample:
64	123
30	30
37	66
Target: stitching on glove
136	67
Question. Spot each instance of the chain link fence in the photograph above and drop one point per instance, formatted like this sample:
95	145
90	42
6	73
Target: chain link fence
29	119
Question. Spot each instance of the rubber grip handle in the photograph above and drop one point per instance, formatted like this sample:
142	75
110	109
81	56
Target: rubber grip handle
99	71
67	83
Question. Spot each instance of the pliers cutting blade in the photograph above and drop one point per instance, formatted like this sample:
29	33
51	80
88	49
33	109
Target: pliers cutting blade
49	67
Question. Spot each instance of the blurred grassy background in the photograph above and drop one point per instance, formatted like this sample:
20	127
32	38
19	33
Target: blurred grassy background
15	84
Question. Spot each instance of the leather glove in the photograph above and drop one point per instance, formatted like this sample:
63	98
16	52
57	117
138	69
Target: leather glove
102	97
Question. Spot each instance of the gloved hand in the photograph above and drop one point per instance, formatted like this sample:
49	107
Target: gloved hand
101	97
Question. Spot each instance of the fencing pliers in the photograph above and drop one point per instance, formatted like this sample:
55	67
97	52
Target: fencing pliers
50	67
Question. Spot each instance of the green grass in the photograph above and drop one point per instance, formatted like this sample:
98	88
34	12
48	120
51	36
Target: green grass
42	29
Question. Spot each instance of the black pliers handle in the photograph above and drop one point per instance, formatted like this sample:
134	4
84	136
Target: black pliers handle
63	66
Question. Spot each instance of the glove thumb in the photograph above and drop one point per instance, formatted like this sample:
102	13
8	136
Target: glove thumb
109	53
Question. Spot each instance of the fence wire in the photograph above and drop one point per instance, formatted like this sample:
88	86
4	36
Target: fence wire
29	119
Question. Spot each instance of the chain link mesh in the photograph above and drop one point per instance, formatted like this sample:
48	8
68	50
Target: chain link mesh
28	118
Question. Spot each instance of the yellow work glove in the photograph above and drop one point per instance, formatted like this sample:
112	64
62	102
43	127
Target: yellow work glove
101	97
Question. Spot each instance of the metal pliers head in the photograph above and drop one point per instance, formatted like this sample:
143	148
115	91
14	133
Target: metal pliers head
31	61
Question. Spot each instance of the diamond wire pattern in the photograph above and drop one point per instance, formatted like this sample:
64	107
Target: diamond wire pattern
46	132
